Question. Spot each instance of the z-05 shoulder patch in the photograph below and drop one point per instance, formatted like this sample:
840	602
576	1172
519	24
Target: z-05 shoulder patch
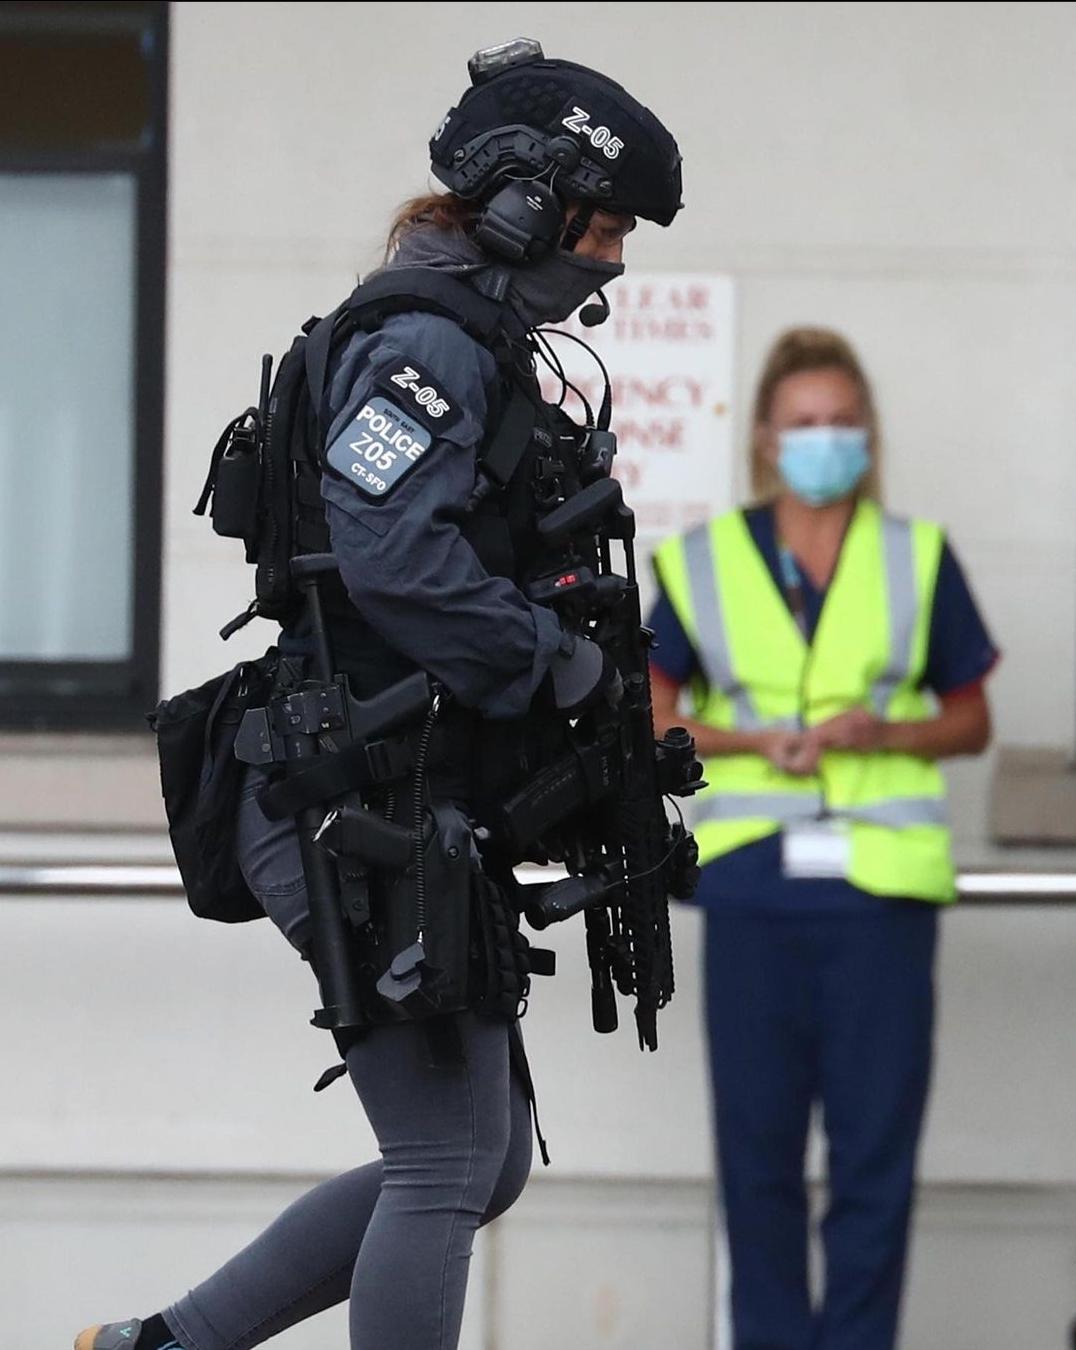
378	448
416	391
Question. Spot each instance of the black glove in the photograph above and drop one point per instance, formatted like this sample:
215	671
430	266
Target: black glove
582	675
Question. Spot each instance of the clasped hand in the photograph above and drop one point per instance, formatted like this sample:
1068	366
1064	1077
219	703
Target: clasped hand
798	752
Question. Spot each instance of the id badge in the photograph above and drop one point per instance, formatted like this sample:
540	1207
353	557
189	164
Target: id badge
816	848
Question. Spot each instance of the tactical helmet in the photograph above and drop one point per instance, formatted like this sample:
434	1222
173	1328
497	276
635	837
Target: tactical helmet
527	117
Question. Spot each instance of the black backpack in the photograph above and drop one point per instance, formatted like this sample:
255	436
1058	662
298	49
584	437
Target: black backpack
263	485
200	781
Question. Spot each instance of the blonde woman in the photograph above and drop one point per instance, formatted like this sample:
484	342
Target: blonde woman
833	654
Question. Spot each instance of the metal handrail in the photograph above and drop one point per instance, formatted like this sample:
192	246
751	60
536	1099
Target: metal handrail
133	880
114	879
989	887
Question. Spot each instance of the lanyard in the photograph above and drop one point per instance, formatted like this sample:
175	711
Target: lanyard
792	583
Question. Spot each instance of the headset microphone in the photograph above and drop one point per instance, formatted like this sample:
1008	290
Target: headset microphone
590	316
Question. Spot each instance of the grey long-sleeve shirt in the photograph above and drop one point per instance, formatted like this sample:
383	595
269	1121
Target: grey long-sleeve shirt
396	476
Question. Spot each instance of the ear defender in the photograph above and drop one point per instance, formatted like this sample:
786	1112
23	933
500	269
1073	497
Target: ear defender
521	221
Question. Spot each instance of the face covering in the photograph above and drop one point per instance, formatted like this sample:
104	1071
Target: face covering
548	290
822	464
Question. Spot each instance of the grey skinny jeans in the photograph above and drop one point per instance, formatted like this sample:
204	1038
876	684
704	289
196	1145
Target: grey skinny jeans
394	1236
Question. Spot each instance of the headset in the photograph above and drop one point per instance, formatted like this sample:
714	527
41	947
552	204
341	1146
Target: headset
524	219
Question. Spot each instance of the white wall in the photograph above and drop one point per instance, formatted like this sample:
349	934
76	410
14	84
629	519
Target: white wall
904	172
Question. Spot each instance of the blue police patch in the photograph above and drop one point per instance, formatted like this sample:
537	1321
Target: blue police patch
378	448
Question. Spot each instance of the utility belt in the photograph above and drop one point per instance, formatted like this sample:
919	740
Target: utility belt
470	759
426	929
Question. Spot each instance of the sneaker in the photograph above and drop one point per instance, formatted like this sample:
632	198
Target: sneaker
111	1336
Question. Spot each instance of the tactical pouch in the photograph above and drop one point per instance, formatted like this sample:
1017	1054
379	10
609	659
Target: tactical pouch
200	780
235	495
503	975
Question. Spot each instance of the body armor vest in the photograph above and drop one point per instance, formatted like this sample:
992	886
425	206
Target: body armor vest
526	462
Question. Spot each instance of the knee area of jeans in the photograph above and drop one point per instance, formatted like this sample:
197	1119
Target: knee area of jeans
478	1178
445	1158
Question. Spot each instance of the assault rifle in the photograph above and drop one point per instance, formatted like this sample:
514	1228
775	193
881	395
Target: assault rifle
599	808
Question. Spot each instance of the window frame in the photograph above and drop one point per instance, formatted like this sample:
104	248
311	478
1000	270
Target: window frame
99	695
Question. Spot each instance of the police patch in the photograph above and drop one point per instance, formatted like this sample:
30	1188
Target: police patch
378	448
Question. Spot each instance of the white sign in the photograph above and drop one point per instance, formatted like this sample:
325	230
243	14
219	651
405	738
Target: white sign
668	348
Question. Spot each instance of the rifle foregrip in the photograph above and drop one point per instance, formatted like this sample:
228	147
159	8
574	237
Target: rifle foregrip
603	1009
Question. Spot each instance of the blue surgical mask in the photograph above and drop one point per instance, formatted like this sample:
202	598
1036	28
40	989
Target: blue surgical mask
822	464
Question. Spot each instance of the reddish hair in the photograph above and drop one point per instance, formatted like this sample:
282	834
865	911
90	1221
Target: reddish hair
443	210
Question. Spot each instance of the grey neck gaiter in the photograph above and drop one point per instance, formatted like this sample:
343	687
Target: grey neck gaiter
549	290
447	250
546	291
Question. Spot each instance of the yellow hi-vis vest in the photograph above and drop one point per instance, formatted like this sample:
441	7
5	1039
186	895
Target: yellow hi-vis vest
757	671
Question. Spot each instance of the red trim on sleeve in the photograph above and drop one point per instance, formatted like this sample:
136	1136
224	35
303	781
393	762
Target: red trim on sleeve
662	677
973	688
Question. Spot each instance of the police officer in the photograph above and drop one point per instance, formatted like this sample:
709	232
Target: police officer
548	165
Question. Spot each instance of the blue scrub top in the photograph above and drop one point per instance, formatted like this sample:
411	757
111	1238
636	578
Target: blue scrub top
959	653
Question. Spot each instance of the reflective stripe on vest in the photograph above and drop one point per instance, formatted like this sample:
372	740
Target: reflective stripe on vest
898	550
789	807
712	636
